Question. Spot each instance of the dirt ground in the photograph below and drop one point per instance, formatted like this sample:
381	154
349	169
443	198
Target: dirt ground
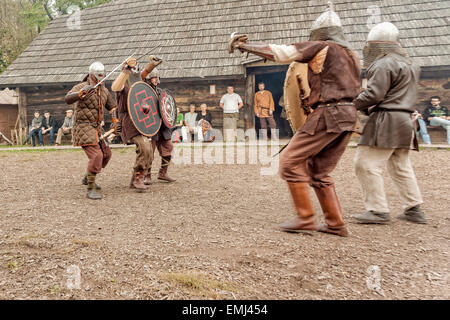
210	235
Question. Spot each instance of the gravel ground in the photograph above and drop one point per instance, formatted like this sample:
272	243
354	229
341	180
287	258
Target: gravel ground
210	235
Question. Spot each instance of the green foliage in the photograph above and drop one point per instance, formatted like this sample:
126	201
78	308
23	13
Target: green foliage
22	20
61	6
33	15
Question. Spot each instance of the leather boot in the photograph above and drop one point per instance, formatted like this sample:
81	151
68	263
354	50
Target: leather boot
133	176
329	202
306	219
163	171
85	182
91	189
148	178
138	182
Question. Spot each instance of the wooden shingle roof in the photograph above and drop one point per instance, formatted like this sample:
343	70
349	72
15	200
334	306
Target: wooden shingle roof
193	34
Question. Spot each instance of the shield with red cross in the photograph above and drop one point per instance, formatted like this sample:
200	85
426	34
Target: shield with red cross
143	108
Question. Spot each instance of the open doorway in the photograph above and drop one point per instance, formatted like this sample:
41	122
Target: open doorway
274	83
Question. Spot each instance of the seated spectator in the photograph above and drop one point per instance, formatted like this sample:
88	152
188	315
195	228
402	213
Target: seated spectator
423	128
48	127
204	122
35	129
66	128
176	135
190	125
437	115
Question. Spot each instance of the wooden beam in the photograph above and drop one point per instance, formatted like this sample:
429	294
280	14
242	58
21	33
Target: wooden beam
249	113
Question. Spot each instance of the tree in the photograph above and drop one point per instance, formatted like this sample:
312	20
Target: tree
22	20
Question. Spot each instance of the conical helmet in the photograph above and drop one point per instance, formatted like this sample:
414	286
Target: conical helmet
383	39
328	27
97	69
327	19
384	31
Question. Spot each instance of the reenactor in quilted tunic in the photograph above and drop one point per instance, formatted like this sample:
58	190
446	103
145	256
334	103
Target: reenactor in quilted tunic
90	102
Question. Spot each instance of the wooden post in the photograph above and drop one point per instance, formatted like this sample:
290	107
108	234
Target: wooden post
249	113
22	113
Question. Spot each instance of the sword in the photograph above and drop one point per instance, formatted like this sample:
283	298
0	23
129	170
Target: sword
118	66
154	48
107	134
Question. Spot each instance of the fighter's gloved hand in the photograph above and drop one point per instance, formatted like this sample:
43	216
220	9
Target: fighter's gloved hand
236	41
155	60
117	125
86	92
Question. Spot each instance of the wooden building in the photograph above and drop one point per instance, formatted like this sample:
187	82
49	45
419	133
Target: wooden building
192	37
8	112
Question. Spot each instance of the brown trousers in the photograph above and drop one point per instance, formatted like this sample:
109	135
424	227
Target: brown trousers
311	158
98	157
270	120
144	153
165	147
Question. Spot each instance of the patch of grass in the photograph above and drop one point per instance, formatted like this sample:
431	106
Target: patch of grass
83	243
199	284
14	263
37	150
55	289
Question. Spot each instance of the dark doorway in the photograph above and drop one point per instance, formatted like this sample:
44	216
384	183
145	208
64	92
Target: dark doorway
274	82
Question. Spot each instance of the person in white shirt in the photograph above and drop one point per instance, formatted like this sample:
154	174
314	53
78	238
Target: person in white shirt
230	103
191	126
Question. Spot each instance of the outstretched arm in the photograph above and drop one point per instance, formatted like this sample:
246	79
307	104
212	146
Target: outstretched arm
301	52
154	62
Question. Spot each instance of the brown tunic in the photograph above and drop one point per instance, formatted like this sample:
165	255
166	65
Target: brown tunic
317	146
264	103
338	81
390	98
89	114
128	128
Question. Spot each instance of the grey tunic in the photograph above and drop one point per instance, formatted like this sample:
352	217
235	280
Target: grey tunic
390	98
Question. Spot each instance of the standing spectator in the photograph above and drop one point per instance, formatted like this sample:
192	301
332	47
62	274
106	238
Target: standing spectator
423	128
230	103
176	135
35	129
48	126
190	124
204	122
66	128
437	115
264	108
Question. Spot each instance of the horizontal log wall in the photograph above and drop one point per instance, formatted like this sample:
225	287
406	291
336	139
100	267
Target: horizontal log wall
433	87
47	99
185	93
197	92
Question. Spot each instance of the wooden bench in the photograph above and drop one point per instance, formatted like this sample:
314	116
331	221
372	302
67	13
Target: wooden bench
438	135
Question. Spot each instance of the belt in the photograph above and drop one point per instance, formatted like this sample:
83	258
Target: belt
334	104
95	125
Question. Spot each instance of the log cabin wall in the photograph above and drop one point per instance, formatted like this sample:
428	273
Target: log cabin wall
198	92
46	98
51	98
435	81
8	118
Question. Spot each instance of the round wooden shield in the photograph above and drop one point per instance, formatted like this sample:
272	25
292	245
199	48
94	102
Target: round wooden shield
295	85
168	109
143	108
